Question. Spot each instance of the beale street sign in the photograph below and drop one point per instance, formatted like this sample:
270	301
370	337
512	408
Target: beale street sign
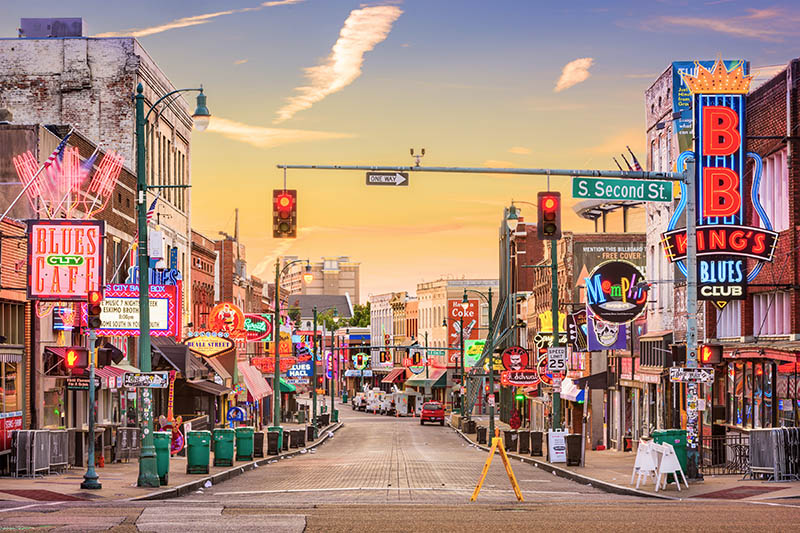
725	240
622	189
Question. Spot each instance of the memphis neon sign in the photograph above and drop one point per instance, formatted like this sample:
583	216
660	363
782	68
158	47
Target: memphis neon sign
724	240
616	292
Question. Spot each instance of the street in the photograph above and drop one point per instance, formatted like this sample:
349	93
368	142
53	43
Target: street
382	473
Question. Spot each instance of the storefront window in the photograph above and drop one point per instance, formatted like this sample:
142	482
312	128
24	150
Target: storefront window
786	394
9	387
769	373
748	394
758	380
730	389
738	394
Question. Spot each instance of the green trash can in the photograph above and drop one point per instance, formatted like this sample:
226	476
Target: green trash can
162	440
223	446
677	438
198	452
244	444
301	417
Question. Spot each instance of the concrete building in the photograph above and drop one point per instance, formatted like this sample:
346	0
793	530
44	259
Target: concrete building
331	275
381	321
412	319
398	304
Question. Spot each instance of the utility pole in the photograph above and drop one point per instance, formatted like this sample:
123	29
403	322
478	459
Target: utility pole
463	380
554	310
314	378
693	455
491	371
90	477
276	374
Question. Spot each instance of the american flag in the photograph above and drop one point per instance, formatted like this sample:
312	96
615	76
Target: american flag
58	154
152	210
636	164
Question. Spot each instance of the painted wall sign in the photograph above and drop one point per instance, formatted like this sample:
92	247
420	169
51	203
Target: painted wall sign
515	358
120	311
615	292
65	258
209	345
256	327
471	318
725	241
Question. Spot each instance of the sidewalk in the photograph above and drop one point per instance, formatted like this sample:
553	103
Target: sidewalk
611	470
119	479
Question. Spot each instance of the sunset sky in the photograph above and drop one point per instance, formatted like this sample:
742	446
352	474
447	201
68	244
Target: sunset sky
476	83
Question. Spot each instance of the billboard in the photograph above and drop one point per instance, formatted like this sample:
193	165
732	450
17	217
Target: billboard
120	311
588	255
471	321
65	259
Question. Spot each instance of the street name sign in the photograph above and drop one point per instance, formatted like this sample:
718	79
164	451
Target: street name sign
622	189
387	178
700	375
557	359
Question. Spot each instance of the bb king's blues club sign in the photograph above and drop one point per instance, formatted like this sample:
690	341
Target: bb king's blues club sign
724	240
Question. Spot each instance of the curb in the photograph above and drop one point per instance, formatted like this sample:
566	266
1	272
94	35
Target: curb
573	476
219	477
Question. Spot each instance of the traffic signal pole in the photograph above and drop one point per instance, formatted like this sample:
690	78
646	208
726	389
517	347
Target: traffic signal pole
554	310
90	477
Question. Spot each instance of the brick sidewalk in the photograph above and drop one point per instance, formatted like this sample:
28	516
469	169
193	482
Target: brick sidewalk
119	479
614	468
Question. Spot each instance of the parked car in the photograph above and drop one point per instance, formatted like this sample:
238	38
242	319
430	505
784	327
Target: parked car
432	412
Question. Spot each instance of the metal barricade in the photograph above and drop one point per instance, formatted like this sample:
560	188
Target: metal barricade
59	449
20	452
127	445
40	451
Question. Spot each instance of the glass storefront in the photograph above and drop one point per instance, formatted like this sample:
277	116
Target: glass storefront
761	394
10	400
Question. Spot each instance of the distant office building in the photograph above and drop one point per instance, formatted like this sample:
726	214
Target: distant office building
332	276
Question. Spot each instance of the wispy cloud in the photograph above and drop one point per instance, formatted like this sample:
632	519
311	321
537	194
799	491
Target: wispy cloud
261	137
240	61
645	75
363	30
519	150
768	24
616	143
194	20
573	73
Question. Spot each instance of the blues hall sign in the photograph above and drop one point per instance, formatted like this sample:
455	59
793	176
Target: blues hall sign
725	240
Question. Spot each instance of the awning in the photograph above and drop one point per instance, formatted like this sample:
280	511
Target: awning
655	335
395	376
173	353
58	351
254	381
287	387
597	381
437	377
352	373
106	374
217	366
570	392
11	354
208	387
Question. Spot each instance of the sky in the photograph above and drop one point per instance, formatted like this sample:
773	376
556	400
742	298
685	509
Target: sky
496	83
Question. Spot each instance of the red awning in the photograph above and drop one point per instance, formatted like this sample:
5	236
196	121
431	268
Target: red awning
395	376
108	372
254	381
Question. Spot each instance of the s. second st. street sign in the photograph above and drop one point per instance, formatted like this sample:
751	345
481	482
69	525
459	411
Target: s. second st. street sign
621	189
387	178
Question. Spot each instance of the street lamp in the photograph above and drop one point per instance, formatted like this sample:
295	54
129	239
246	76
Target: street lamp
314	362
512	220
148	475
334	414
491	353
461	342
276	374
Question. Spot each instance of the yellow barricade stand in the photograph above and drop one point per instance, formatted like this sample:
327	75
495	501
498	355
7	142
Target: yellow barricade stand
497	444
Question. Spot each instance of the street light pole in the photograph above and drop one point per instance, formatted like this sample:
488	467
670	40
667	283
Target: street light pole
276	371
463	380
491	371
554	310
333	375
314	379
90	477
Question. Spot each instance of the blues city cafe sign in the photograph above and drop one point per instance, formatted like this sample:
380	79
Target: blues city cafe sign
725	241
616	292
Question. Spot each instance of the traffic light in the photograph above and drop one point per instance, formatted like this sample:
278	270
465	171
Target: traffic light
710	354
75	357
549	210
284	214
93	309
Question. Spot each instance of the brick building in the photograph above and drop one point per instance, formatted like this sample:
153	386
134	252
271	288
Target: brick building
204	272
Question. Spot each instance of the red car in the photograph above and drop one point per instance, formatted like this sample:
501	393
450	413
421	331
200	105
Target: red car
432	412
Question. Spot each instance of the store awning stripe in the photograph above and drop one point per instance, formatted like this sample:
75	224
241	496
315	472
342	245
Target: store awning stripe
254	381
394	376
433	377
108	372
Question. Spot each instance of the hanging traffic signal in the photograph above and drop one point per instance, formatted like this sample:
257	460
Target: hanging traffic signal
75	357
549	210
93	309
284	214
710	354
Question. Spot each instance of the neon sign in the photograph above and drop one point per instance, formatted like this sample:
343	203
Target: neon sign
615	292
256	327
228	318
724	241
65	258
120	311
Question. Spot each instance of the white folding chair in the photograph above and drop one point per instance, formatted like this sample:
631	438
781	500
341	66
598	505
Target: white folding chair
669	464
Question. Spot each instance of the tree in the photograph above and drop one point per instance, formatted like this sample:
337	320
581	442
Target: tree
360	316
294	315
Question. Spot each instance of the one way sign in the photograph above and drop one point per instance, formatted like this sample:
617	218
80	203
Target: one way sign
387	178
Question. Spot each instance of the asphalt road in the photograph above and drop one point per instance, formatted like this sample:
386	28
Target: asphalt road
388	474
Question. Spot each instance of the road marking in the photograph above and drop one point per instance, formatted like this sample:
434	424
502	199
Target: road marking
346	489
28	506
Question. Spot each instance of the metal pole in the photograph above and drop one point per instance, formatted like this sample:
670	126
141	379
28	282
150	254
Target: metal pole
90	477
276	373
314	379
463	380
148	475
554	310
491	370
427	375
333	376
691	319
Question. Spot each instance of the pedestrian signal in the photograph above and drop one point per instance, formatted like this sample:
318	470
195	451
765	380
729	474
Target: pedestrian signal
284	214
75	357
710	354
549	211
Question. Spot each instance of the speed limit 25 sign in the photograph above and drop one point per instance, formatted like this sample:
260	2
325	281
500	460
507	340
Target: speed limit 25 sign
557	359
